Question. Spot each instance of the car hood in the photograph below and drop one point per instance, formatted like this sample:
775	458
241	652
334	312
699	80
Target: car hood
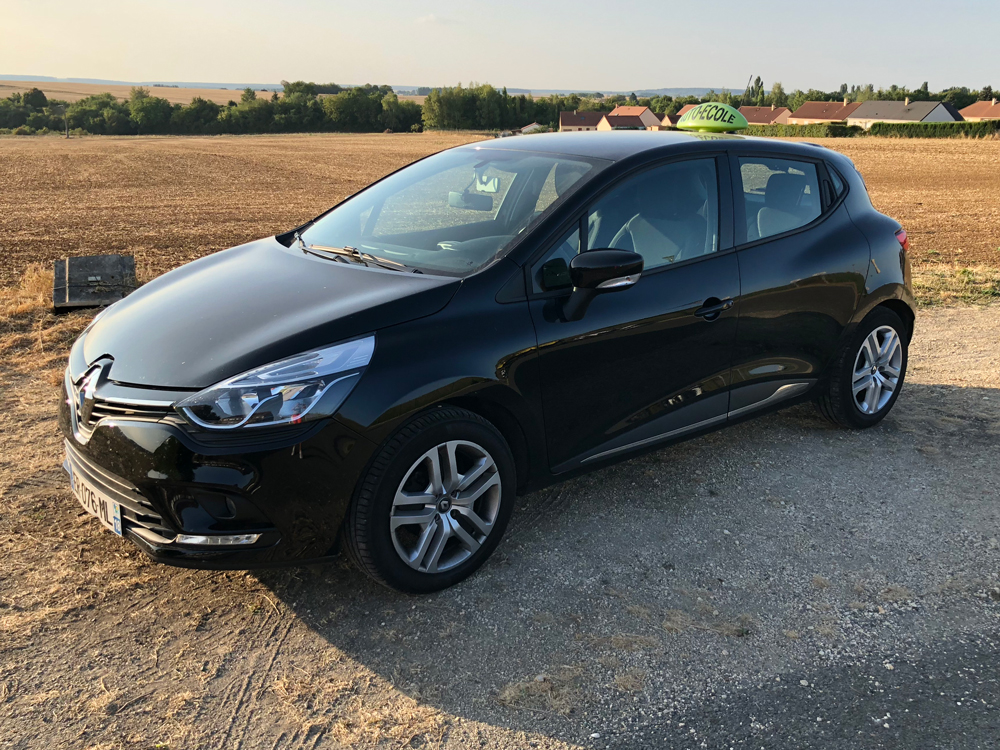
245	307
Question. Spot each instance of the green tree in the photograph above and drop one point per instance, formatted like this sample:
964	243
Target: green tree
299	87
34	98
354	111
151	114
399	116
248	95
199	117
778	96
958	96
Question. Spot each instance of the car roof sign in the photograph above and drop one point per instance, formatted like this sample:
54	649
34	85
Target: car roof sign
713	117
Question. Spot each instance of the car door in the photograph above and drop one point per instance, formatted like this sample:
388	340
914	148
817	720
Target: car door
650	362
803	266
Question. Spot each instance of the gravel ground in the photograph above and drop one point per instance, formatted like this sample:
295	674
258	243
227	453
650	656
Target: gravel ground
781	584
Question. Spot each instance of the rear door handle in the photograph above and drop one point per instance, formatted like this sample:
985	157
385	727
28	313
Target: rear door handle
713	308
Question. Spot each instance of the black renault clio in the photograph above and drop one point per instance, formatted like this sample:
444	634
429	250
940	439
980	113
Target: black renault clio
490	319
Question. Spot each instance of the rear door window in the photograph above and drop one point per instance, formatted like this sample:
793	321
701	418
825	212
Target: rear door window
779	195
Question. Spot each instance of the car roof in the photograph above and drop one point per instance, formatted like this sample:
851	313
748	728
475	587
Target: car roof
621	144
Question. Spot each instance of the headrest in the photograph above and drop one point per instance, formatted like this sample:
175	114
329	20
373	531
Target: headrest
566	175
673	194
783	191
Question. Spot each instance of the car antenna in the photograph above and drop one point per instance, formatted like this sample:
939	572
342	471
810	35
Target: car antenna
745	90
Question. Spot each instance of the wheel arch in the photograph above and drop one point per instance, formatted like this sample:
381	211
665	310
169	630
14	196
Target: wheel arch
904	311
894	296
509	426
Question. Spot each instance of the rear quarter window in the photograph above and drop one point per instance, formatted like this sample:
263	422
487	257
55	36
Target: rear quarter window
779	195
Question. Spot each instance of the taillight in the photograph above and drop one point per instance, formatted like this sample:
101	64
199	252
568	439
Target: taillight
903	241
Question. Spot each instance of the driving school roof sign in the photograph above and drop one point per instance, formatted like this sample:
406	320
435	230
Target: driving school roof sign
713	117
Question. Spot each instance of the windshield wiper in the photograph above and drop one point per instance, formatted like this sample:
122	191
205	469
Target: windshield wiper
350	253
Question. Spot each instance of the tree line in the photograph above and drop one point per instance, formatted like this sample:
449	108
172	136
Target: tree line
311	107
303	108
483	107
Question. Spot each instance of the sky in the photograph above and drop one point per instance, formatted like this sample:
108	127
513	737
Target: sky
533	44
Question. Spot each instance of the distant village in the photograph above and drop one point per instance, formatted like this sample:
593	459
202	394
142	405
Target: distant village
861	114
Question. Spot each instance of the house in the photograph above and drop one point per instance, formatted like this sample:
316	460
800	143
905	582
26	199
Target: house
905	111
766	115
629	118
572	121
685	109
532	128
669	121
981	111
811	113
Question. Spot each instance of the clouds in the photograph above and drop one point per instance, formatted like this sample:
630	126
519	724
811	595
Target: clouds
434	20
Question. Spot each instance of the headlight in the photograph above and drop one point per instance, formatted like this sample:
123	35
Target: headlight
307	386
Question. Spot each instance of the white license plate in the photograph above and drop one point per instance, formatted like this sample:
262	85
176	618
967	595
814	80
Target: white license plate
102	507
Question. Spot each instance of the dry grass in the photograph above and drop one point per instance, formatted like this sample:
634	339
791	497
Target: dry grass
948	283
896	593
632	681
557	692
677	621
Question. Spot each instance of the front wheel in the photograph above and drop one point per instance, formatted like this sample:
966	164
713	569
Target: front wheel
867	376
434	503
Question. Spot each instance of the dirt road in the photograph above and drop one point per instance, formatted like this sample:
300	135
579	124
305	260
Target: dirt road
780	584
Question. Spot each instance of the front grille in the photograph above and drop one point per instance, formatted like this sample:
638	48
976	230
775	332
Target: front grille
138	514
87	407
104	408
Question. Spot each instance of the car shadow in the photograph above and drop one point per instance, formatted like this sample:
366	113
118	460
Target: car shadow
678	575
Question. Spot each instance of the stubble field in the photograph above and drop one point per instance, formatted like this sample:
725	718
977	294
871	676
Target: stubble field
780	584
72	92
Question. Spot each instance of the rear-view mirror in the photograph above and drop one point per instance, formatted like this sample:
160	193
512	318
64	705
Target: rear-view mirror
486	184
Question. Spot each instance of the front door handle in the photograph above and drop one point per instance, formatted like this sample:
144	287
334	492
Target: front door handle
713	308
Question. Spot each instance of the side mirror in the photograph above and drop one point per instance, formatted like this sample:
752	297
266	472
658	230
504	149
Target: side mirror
597	271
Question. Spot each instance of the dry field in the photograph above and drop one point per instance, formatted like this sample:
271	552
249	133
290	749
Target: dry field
72	92
101	649
168	200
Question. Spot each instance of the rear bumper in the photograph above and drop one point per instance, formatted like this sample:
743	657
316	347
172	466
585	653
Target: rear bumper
292	487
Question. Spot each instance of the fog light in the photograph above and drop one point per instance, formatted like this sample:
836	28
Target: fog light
217	540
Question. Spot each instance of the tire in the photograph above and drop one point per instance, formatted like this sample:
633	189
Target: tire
448	530
841	402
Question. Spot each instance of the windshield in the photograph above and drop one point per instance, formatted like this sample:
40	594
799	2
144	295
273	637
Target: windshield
453	212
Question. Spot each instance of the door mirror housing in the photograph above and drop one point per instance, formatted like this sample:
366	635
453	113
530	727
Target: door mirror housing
597	271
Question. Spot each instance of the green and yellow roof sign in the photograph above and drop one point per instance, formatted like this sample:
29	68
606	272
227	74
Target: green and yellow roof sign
713	117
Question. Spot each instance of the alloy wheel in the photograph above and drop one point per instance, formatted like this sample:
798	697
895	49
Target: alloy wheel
445	507
877	369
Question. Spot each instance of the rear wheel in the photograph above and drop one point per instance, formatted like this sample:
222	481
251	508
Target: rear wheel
434	504
867	376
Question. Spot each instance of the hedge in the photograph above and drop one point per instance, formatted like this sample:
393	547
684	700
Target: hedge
818	130
984	129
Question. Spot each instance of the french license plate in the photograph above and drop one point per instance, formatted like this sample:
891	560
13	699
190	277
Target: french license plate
102	507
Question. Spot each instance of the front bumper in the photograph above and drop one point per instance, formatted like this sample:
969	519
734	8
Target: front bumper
291	485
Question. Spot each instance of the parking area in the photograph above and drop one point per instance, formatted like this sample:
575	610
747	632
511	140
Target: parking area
779	584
